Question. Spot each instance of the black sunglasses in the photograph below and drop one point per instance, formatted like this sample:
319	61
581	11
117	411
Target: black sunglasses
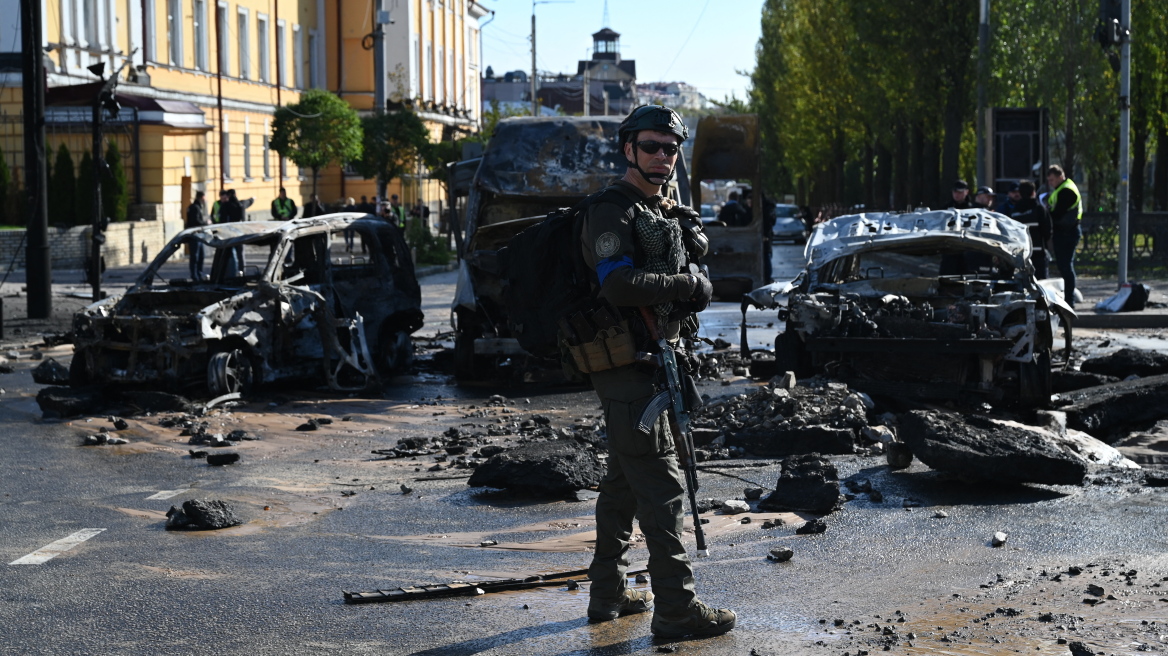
651	147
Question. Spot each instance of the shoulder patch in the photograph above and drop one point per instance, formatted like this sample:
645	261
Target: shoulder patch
607	244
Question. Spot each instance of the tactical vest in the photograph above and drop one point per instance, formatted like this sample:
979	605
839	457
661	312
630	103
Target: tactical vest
285	206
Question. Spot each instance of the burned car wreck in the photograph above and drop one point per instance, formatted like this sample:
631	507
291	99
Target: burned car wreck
931	304
283	301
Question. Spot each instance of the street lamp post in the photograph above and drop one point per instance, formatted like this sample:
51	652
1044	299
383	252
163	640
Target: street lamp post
534	89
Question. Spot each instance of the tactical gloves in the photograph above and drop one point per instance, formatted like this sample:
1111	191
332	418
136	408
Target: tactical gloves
695	240
701	292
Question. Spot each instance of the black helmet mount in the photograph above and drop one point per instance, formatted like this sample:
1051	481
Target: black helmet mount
652	117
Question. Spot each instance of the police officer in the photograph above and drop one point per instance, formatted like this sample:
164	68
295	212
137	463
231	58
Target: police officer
1066	211
283	208
1034	215
961	200
643	478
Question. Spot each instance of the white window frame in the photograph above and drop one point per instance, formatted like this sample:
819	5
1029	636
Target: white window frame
201	32
281	54
298	56
174	32
223	38
263	48
451	75
243	33
415	90
440	75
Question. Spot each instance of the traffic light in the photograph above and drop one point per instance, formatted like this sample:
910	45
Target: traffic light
1110	31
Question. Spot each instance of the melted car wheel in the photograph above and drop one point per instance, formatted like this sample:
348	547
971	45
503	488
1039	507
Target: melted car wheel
229	372
395	351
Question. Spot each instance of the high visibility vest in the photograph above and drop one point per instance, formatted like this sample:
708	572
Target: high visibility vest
1068	183
285	205
215	212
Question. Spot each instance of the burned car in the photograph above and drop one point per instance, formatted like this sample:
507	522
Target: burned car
931	304
283	301
531	167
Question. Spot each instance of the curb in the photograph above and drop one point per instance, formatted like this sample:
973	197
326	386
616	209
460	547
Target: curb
1121	320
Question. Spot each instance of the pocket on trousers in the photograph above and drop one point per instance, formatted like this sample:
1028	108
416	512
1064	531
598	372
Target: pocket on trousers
623	437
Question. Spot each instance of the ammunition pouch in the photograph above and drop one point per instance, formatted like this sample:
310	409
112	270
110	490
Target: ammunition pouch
611	348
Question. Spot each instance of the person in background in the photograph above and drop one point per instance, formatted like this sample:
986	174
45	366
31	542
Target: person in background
314	207
984	198
1066	212
960	195
197	218
217	207
283	208
365	206
733	213
1037	220
395	213
1010	205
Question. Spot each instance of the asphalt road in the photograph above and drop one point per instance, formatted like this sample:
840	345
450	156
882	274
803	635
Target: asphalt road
274	584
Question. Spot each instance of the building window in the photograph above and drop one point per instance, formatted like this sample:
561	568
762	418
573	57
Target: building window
298	56
427	81
459	84
247	156
244	45
224	38
267	155
173	29
281	55
225	152
313	61
200	25
451	74
262	46
148	19
440	77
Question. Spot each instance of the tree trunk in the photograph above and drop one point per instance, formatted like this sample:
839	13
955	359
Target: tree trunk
954	123
902	173
1068	162
930	171
315	175
1160	182
916	192
882	186
869	174
1139	166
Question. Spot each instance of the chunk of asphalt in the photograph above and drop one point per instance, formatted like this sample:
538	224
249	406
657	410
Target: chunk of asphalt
201	515
220	459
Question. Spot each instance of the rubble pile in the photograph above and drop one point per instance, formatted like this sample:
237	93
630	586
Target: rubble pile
975	447
1128	362
552	468
1107	412
50	372
780	420
60	401
808	483
201	515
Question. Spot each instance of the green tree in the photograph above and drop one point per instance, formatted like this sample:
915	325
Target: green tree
393	142
316	132
115	196
83	197
62	189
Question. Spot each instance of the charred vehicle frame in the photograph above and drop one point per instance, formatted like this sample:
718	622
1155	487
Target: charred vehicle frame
299	311
961	315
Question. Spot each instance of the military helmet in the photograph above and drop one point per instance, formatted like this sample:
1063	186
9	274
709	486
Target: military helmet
652	117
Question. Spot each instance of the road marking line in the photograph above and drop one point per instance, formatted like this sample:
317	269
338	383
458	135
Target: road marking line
165	494
50	551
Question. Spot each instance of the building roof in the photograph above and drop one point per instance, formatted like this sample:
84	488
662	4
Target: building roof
605	34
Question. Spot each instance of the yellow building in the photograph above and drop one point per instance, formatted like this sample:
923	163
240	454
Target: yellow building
200	80
432	64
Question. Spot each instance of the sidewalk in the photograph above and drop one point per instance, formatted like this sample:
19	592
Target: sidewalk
1098	289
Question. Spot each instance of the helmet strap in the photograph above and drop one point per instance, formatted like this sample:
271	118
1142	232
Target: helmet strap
651	178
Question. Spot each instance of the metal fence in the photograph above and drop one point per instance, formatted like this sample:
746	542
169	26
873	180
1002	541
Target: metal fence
1099	248
72	126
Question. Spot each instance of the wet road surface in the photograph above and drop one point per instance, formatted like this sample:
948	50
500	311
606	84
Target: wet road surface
274	584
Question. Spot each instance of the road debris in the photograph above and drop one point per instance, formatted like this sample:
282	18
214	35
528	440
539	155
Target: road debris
975	447
464	589
220	459
1127	362
781	554
50	372
1107	412
201	515
555	468
999	539
808	483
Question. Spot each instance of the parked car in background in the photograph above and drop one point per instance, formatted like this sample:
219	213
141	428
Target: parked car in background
933	304
789	224
284	301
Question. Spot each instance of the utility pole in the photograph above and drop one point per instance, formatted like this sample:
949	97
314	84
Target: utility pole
38	264
983	53
104	99
534	98
1124	138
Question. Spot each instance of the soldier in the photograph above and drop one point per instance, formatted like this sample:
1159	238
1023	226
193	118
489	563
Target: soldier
197	218
283	208
643	478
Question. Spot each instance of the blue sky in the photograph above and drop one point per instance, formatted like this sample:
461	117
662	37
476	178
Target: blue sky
653	33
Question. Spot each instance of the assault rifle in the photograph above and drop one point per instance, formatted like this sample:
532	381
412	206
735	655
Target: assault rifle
671	398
